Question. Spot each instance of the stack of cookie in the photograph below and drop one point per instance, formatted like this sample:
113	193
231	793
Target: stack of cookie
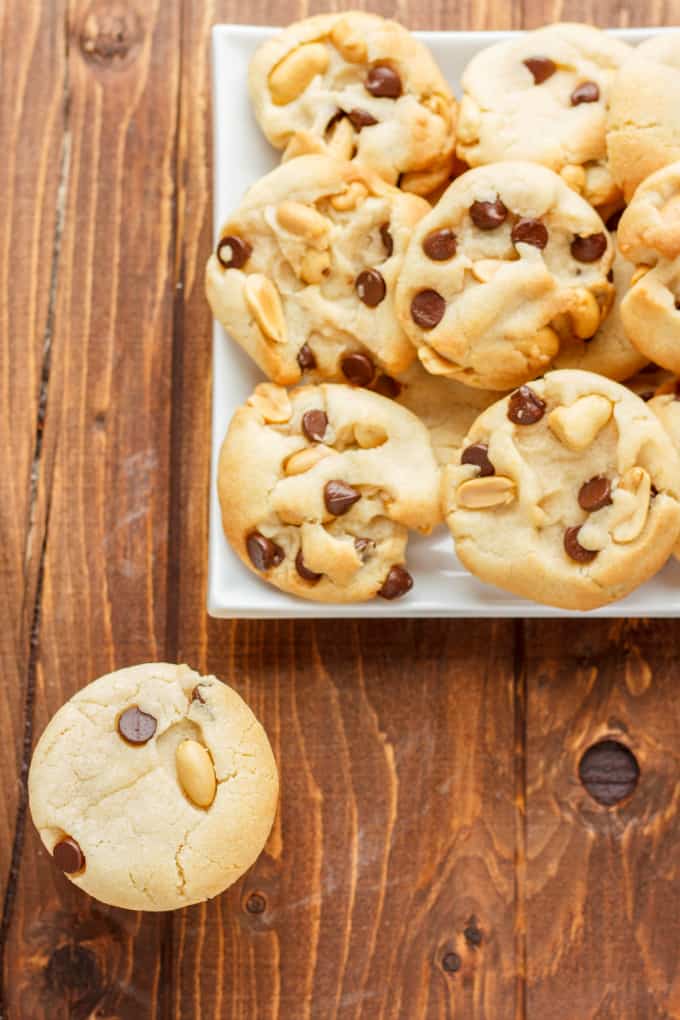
419	266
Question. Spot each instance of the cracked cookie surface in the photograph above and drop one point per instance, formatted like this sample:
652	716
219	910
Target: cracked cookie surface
107	795
508	267
304	273
358	87
566	492
318	488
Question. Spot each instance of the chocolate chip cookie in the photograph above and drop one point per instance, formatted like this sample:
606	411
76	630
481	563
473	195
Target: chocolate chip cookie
566	492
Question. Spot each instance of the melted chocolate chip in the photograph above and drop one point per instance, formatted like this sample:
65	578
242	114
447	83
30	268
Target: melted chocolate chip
387	239
586	92
614	220
339	497
478	454
525	407
589	249
541	68
364	546
305	573
264	554
383	81
532	232
396	584
574	549
595	493
440	245
68	856
135	726
370	287
233	252
488	215
427	309
610	275
361	119
306	359
358	369
386	386
314	425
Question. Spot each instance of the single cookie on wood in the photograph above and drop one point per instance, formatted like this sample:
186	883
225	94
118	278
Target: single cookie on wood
304	272
356	86
318	488
567	492
153	787
509	266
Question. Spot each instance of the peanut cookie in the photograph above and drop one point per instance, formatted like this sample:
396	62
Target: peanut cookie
358	87
643	122
566	492
508	266
153	787
318	488
543	96
666	406
304	272
649	236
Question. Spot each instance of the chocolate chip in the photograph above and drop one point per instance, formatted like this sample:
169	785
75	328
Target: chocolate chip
478	454
541	68
610	275
305	573
614	220
529	231
358	369
135	726
196	695
396	584
387	240
677	304
364	546
386	386
647	395
586	92
427	309
339	497
384	81
440	245
263	553
361	119
233	252
370	287
590	248
525	407
335	119
595	494
314	425
574	549
68	856
306	359
488	215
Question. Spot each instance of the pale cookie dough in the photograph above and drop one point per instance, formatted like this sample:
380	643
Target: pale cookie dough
643	123
609	351
304	273
318	488
153	787
566	492
666	406
358	87
543	96
649	236
508	267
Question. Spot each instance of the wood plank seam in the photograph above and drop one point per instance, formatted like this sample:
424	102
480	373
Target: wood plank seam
520	700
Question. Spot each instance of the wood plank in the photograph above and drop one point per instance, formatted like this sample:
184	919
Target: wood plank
107	440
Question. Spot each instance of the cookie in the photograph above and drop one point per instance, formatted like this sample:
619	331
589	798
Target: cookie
153	787
566	492
649	236
359	87
510	265
647	382
543	96
318	488
666	406
643	122
304	272
609	352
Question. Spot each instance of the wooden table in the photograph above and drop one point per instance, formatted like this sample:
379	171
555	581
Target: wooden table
435	854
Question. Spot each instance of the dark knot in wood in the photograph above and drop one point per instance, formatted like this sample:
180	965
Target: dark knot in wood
111	35
473	934
609	771
451	963
72	973
256	903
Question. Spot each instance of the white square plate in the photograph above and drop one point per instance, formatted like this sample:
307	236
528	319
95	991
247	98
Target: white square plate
442	587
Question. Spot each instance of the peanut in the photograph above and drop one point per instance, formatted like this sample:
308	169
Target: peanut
435	364
639	484
196	772
484	493
304	221
348	42
574	177
355	193
293	74
584	313
369	436
305	459
577	425
424	182
264	303
469	120
484	270
341	141
302	144
438	105
638	274
272	403
315	266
